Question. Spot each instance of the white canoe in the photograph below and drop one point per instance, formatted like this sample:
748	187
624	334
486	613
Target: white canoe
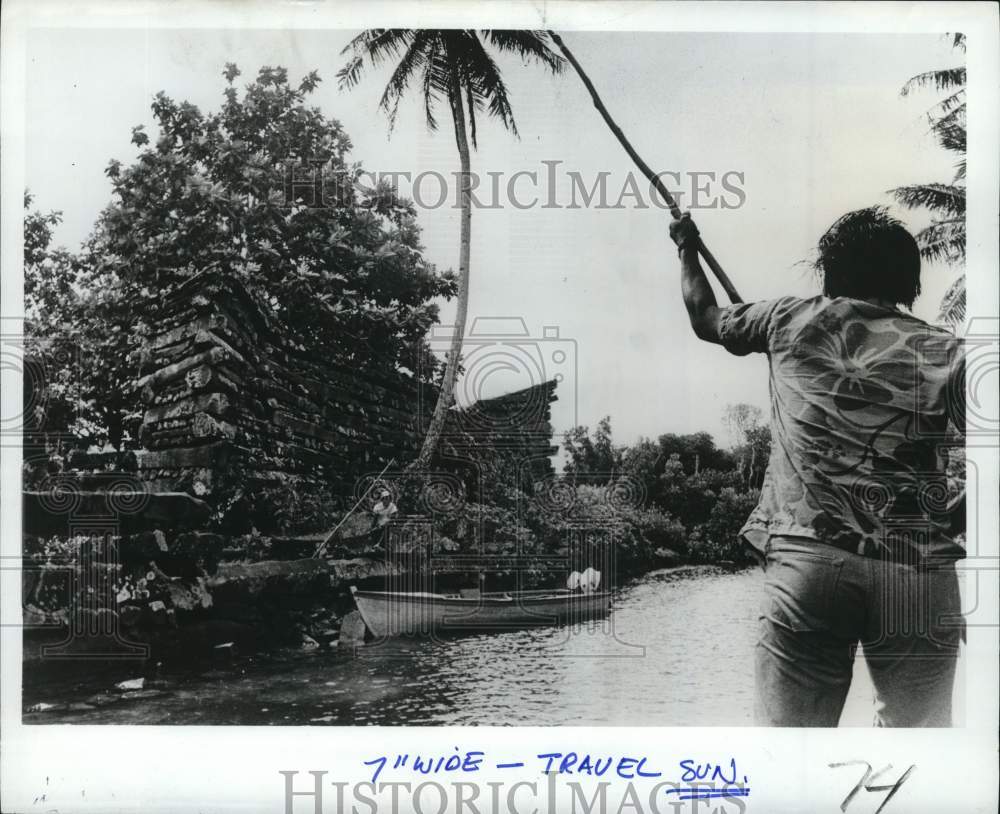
395	613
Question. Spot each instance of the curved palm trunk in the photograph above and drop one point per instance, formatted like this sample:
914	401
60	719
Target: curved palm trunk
644	168
447	395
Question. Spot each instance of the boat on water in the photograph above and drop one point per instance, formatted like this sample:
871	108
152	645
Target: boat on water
387	613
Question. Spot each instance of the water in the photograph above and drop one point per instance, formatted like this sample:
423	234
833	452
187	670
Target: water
676	650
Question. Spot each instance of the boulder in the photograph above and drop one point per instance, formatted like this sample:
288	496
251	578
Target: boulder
189	596
352	631
44	706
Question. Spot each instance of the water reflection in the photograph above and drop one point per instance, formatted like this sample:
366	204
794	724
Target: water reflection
676	650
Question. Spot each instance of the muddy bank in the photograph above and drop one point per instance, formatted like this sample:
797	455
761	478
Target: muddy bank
181	599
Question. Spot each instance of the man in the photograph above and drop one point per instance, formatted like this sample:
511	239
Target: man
852	522
383	510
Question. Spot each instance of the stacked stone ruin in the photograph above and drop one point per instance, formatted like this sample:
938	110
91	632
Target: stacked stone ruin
234	408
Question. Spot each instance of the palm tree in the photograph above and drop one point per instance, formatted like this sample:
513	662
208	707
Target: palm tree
944	239
452	64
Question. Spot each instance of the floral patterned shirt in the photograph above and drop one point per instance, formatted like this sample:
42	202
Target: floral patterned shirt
860	401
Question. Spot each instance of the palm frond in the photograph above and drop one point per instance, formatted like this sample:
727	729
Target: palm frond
373	46
527	44
939	80
412	61
430	93
948	104
958	41
944	198
437	76
438	56
472	103
952	309
953	118
951	136
943	241
483	77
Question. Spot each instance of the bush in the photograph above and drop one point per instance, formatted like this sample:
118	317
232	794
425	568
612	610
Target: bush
718	538
592	517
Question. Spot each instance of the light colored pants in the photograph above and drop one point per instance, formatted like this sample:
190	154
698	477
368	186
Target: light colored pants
820	602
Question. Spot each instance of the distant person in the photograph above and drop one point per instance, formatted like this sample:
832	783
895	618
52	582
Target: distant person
383	510
853	522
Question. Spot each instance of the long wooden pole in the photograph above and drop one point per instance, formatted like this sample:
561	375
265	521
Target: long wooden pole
322	546
644	168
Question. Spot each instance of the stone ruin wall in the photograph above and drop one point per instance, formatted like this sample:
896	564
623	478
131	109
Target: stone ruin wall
233	409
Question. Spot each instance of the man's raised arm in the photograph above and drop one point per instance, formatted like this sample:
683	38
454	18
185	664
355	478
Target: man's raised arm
702	308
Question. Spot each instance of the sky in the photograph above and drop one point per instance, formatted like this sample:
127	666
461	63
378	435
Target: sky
815	123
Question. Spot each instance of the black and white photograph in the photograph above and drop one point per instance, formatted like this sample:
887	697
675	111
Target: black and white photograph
586	374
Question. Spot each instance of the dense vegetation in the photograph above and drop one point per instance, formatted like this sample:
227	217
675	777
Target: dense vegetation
677	495
262	188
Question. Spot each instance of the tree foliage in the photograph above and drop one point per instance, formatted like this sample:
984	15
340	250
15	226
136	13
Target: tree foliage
685	494
436	58
591	460
944	239
60	343
262	189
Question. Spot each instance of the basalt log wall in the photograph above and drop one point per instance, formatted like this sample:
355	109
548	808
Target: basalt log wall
234	410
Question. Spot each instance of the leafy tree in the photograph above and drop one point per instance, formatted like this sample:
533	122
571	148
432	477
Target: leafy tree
451	64
739	419
751	441
591	460
757	453
338	265
58	403
695	451
944	239
718	538
690	497
642	462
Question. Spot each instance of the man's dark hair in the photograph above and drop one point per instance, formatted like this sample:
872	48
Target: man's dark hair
869	254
